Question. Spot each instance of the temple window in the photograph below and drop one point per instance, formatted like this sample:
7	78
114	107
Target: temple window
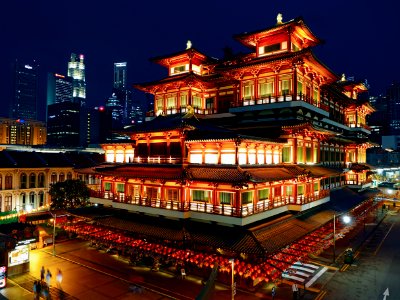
107	186
247	197
300	158
300	190
289	190
171	101
286	154
242	156
173	194
260	156
211	156
110	156
299	87
179	69
119	156
252	156
183	99
210	103
201	195
151	192
309	157
316	187
196	101
196	157
196	69
120	187
315	95
271	49
228	157
226	198
285	86
160	103
277	155
248	90
263	194
266	87
129	155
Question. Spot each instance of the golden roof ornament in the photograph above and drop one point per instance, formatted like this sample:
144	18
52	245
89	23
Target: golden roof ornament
188	44
343	77
279	19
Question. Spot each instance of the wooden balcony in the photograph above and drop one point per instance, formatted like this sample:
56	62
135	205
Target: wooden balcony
206	207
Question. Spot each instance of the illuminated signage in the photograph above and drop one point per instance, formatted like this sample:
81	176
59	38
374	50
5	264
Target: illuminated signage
59	75
3	278
18	256
122	64
28	67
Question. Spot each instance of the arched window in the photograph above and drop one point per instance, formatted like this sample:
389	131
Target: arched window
22	198
23	181
41	198
61	177
1	203
8	202
41	180
8	182
53	178
1	185
32	180
69	176
32	200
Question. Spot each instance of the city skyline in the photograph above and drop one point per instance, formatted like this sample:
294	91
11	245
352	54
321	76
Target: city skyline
358	40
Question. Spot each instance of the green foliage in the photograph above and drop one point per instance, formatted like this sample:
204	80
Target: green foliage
70	193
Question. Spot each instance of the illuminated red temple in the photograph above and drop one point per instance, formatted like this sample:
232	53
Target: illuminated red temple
243	138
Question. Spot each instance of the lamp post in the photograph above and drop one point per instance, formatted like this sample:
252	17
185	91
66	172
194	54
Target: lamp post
346	219
54	231
233	285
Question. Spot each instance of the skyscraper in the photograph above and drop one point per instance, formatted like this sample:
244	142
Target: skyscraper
122	93
62	112
24	105
59	88
76	70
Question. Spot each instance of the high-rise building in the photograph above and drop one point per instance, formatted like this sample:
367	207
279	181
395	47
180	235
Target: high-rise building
76	70
114	107
62	111
122	93
59	88
63	124
22	132
24	105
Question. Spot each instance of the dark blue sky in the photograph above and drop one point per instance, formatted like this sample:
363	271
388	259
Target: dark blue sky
361	37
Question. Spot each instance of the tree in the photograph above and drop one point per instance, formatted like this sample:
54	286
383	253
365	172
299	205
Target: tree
70	193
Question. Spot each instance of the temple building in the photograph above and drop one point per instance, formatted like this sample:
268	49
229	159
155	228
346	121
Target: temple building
241	139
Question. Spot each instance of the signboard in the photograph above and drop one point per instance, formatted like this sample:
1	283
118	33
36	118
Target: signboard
18	256
3	277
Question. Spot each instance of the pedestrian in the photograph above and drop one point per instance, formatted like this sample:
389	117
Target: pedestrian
273	293
59	278
183	273
38	289
295	290
35	289
42	272
48	278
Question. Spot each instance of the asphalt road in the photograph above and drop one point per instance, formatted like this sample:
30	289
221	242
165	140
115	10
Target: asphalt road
375	271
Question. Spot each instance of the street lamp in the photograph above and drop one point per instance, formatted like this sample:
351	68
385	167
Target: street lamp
233	285
346	219
54	231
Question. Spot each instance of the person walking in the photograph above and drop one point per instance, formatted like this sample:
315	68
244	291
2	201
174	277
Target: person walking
295	290
273	292
59	278
48	278
42	272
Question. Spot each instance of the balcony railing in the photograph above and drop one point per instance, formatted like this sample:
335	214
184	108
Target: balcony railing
358	125
279	99
206	207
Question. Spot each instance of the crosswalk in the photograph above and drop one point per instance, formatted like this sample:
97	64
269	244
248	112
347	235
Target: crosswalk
304	273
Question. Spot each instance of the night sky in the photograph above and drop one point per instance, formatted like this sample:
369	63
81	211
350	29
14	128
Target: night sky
361	37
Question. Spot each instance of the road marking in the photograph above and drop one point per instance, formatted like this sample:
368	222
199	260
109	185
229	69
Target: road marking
387	233
386	293
312	280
